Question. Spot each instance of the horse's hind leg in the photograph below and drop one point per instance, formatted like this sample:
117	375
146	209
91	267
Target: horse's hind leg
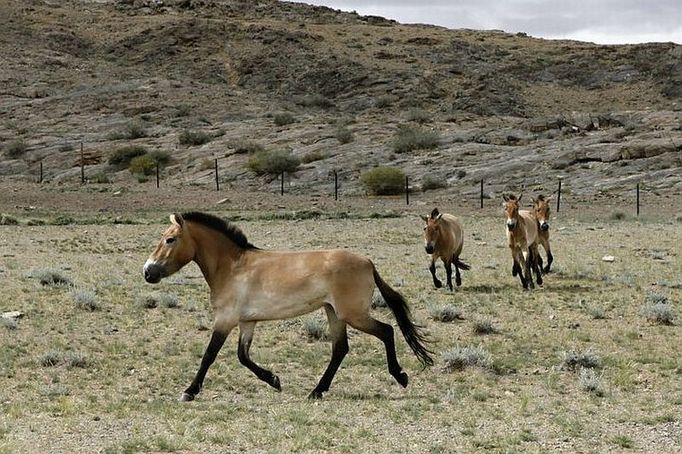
458	277
339	336
536	264
550	258
214	346
245	338
384	332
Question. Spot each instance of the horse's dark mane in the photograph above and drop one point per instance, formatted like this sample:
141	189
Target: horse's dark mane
541	198
231	231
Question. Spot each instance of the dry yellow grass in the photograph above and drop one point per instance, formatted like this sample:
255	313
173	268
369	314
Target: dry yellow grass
121	396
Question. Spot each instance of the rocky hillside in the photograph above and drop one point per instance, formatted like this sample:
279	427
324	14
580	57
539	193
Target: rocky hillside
334	88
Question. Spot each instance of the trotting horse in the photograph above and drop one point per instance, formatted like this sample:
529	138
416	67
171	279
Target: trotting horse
522	236
541	211
444	238
249	285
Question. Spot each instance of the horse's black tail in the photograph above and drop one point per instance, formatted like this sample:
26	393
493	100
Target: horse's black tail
412	333
461	265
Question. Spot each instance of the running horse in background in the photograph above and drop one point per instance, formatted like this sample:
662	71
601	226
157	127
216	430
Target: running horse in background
541	212
522	237
444	238
249	285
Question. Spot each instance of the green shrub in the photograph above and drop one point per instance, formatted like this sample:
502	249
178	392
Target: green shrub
85	299
142	165
484	327
418	116
409	139
283	118
16	149
51	277
6	219
385	101
430	183
101	177
135	130
243	146
344	135
160	157
273	162
315	100
384	181
122	156
574	360
591	382
313	156
190	138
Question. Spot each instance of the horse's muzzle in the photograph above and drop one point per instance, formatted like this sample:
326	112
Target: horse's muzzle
544	226
510	226
429	248
152	273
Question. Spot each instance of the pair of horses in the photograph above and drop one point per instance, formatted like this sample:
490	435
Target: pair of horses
526	230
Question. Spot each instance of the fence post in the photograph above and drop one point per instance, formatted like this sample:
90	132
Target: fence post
407	190
82	165
41	173
336	186
558	198
217	182
157	174
637	199
481	193
281	192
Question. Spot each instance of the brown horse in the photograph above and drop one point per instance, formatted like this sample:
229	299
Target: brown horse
249	285
444	238
541	212
522	237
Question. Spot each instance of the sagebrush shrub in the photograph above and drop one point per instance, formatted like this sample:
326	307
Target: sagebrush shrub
15	149
85	299
194	138
315	328
409	138
142	165
430	183
384	181
446	313
457	358
574	360
283	118
51	277
273	162
122	156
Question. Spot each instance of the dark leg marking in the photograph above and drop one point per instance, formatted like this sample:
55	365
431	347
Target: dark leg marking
245	338
214	346
337	330
448	273
436	281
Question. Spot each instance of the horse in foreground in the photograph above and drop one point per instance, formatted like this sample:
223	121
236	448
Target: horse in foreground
249	285
444	238
522	237
541	212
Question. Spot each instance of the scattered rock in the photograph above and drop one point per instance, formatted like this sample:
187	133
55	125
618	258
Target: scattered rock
12	315
608	258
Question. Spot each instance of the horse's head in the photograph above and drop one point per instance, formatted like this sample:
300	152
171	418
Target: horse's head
432	230
174	251
511	209
541	208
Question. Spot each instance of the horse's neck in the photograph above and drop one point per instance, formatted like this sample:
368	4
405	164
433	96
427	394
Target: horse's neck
215	254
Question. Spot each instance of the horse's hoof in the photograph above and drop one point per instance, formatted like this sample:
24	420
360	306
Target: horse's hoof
458	282
546	270
274	382
315	395
438	284
186	397
514	272
402	379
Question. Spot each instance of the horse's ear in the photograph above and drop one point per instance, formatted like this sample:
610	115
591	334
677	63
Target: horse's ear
534	200
519	197
176	219
434	213
505	197
424	218
439	216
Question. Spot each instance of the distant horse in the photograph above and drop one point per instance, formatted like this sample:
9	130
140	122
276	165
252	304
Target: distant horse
541	211
444	238
249	285
522	237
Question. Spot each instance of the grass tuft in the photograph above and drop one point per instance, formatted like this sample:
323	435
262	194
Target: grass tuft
85	299
574	360
51	277
482	327
51	358
658	313
9	323
446	313
591	382
315	328
378	301
458	358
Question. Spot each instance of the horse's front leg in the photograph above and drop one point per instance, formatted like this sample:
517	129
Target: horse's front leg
245	338
526	263
448	273
215	344
536	263
432	268
550	258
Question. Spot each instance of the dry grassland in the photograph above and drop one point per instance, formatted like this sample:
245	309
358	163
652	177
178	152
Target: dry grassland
92	368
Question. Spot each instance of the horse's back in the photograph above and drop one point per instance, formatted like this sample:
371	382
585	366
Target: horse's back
530	225
456	231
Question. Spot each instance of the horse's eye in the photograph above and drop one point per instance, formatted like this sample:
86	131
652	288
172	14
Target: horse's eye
170	240
425	229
